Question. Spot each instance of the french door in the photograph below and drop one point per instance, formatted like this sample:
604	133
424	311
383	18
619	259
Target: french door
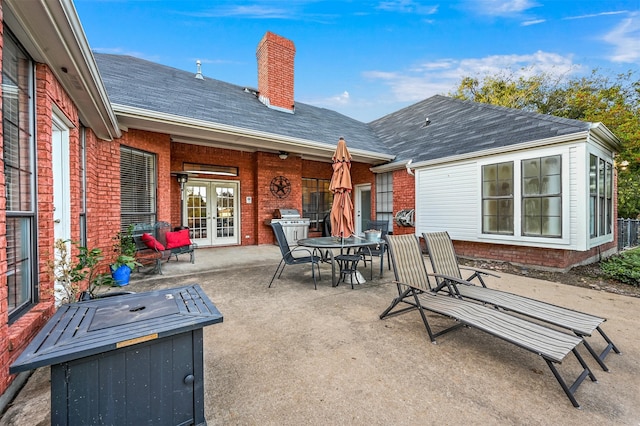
211	212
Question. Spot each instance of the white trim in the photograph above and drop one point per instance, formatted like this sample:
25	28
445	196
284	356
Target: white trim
236	135
517	238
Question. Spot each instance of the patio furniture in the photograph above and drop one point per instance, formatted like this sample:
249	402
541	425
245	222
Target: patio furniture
369	253
176	242
348	267
446	269
149	251
414	289
326	245
129	360
289	259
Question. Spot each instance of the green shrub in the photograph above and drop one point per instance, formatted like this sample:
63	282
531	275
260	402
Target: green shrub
624	267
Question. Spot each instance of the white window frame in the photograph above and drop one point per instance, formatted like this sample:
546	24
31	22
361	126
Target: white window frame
517	158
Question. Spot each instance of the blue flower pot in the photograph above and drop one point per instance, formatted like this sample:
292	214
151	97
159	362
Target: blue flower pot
121	275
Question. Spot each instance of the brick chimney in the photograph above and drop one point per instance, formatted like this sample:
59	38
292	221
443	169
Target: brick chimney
275	72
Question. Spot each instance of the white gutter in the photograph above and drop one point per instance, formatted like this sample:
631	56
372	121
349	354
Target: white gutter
177	121
476	154
603	133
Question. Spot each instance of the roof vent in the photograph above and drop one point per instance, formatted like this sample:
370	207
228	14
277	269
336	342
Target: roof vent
199	72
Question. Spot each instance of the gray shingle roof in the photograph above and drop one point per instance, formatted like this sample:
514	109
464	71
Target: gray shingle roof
142	84
460	127
457	127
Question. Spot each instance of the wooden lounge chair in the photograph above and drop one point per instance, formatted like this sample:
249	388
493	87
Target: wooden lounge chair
414	290
289	259
446	269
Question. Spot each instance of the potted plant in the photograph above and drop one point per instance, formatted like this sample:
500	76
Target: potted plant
125	262
70	275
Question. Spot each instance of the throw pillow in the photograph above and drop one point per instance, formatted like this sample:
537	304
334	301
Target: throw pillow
151	242
178	239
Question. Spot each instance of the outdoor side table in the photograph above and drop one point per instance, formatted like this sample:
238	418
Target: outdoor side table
126	360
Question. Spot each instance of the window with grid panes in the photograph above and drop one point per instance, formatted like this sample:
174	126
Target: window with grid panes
600	197
137	187
18	152
316	201
384	198
497	198
542	196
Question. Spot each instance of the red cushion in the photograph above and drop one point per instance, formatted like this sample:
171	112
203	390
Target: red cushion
178	239
151	242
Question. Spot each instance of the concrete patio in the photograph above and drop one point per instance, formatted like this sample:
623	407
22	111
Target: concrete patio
291	355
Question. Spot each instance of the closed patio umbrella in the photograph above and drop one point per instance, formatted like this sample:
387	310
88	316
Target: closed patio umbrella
342	207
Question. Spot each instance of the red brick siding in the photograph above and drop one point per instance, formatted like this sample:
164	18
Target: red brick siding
160	145
404	197
554	259
275	56
269	166
103	193
16	336
244	161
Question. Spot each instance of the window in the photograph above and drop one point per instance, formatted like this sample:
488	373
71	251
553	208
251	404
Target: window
497	198
137	187
384	198
316	201
542	197
18	153
600	197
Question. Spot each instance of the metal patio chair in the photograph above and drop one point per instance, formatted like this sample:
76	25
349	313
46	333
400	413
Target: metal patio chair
289	259
368	253
446	269
414	290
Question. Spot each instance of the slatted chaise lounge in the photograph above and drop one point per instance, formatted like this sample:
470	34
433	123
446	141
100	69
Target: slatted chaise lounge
414	289
446	269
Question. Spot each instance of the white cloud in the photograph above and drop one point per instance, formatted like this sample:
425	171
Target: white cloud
534	22
625	39
501	7
341	99
443	76
595	15
407	6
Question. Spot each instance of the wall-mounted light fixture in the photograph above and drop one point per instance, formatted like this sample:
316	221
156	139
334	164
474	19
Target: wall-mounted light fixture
182	179
283	155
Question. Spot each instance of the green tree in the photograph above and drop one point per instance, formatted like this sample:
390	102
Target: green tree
614	101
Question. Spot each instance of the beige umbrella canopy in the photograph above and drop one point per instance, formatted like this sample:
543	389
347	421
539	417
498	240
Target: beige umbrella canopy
342	207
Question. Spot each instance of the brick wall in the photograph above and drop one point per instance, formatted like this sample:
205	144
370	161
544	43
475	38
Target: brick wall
246	164
160	145
540	258
275	55
404	195
16	336
268	166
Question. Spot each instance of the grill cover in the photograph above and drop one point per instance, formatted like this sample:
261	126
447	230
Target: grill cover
286	214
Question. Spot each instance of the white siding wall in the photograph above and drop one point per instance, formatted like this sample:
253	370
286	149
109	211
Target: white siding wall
448	197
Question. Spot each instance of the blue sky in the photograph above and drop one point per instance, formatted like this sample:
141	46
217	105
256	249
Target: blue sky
367	59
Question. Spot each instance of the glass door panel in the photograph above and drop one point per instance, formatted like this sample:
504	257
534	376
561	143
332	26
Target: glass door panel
211	209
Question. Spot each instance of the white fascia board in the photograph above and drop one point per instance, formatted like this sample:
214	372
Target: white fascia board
178	122
603	133
556	140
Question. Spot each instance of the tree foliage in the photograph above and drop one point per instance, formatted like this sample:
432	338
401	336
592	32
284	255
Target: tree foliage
614	101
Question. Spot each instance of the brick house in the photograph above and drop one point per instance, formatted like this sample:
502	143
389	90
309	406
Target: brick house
93	142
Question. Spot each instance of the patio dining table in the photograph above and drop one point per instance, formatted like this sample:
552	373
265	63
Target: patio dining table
328	244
